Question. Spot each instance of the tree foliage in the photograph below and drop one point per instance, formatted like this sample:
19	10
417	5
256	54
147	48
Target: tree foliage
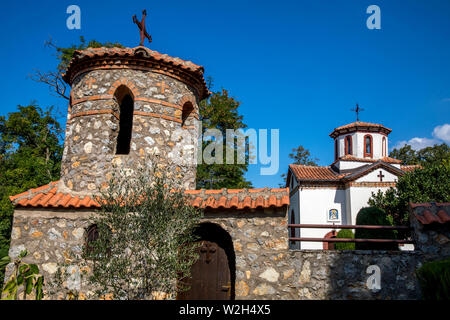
30	156
434	280
24	276
428	184
65	54
424	157
374	216
145	238
300	155
53	79
220	112
345	234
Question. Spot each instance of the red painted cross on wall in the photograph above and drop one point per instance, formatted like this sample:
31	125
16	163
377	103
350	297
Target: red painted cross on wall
381	176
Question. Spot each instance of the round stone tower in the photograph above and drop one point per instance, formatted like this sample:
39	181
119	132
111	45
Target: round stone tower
130	107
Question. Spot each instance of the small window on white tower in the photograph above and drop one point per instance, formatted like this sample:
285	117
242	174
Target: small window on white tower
368	146
384	147
348	145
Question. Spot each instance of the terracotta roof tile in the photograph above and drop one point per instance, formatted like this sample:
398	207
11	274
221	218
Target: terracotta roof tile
409	168
48	196
139	51
318	174
359	125
348	157
428	213
140	54
233	202
314	173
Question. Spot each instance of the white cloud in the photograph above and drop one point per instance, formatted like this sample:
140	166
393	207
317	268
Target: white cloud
417	143
442	133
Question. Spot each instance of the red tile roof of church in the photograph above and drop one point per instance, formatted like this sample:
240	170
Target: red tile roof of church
411	167
359	125
48	196
348	157
304	172
428	213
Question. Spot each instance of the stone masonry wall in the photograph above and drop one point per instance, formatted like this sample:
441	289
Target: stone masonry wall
53	238
265	267
93	126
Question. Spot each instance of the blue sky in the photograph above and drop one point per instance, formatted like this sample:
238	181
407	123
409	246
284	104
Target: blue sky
296	66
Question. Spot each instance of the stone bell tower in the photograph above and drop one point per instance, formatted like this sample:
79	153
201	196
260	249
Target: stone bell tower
128	107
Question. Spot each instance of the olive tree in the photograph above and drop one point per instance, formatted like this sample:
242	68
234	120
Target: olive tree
144	238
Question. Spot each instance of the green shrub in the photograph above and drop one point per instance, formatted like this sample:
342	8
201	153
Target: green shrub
345	233
374	216
434	280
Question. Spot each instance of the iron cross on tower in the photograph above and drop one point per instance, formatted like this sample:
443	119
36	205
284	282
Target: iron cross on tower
357	110
142	30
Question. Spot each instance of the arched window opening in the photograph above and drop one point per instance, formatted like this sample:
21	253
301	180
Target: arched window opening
348	145
368	149
124	97
91	236
187	110
384	147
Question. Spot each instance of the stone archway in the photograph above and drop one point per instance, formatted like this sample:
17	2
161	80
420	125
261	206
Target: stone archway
213	275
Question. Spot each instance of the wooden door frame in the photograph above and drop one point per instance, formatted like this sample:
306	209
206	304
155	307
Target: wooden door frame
212	232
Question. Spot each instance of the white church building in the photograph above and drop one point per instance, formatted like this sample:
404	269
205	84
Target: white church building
334	194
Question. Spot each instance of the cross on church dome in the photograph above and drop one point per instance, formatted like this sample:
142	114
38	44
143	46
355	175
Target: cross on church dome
357	110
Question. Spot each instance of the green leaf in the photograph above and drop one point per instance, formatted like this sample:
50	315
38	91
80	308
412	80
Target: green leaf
23	268
9	285
20	279
23	254
12	293
4	261
29	285
34	268
38	286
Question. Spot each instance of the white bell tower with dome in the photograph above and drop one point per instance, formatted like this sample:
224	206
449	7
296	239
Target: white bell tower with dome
361	143
334	194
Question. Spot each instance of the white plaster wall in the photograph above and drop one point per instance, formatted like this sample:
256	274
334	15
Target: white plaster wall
341	144
344	165
358	144
373	176
358	198
376	142
314	205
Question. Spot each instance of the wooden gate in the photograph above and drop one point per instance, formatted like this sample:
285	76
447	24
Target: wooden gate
210	275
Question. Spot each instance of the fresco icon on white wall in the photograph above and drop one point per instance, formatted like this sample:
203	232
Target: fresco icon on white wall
333	215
